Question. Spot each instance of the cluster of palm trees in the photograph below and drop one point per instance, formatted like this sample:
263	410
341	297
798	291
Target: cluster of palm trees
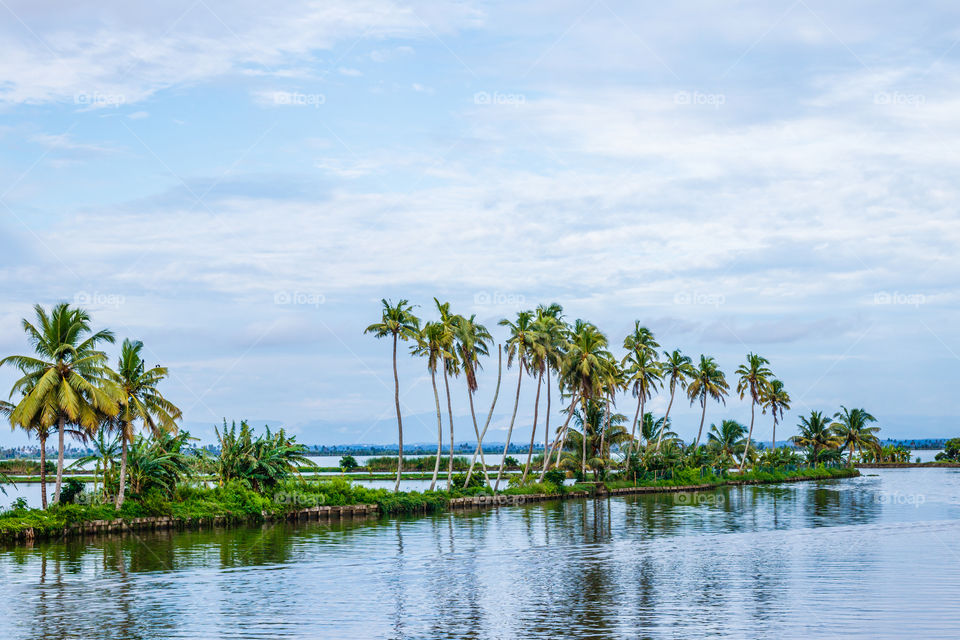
67	388
576	358
849	429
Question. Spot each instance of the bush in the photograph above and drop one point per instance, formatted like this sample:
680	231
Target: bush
70	491
476	480
348	463
555	477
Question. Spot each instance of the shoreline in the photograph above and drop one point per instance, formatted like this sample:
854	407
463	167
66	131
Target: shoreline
29	535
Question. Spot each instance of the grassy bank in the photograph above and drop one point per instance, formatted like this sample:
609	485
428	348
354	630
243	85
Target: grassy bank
236	502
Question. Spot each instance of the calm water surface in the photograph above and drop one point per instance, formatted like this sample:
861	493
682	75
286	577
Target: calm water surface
875	557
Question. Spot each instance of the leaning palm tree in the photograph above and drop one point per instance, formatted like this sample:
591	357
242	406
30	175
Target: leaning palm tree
520	347
643	371
777	400
397	322
431	344
754	379
585	369
852	428
677	368
65	381
815	433
140	400
451	367
708	381
472	341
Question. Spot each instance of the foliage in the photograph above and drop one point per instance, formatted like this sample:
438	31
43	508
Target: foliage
348	463
951	451
72	490
260	461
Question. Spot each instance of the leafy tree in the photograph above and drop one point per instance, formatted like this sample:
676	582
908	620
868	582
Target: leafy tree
397	322
852	429
65	381
260	461
348	463
951	450
815	433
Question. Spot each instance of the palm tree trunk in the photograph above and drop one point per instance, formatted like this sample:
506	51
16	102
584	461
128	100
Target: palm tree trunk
851	455
559	440
436	397
546	425
583	440
603	433
533	434
633	431
396	400
513	418
43	471
62	427
703	416
479	449
564	431
446	384
773	443
673	390
123	464
753	404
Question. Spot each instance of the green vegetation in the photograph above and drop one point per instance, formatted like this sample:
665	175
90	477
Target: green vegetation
951	451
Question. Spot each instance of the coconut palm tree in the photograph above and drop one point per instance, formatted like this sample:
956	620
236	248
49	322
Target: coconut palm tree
431	344
451	367
139	400
553	332
708	381
543	354
643	371
585	368
852	428
677	368
397	322
754	378
601	430
473	340
520	347
815	432
777	400
66	378
727	440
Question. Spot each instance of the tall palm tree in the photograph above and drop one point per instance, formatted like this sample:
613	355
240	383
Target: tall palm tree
815	432
66	378
431	344
642	369
553	332
140	400
754	378
585	367
398	322
472	340
451	367
852	428
520	347
708	381
677	368
777	400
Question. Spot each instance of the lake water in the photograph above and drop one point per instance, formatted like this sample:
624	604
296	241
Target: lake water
874	557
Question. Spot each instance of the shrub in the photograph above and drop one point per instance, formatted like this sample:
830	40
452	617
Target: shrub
71	490
476	480
555	477
348	463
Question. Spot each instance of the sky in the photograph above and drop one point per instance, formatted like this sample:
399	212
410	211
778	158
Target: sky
238	185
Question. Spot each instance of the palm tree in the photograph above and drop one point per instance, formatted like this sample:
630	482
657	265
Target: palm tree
451	367
727	440
41	427
815	432
777	400
754	378
431	345
585	368
851	427
398	322
642	369
678	368
472	341
140	400
66	380
708	382
520	347
553	332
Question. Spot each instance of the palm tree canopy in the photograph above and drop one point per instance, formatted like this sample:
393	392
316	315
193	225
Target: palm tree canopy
140	398
753	376
472	341
397	320
523	338
66	378
677	368
587	360
774	398
708	381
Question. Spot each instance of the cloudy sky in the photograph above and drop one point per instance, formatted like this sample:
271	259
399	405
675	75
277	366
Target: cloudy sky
238	187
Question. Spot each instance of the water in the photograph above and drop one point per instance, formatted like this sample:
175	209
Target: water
875	557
